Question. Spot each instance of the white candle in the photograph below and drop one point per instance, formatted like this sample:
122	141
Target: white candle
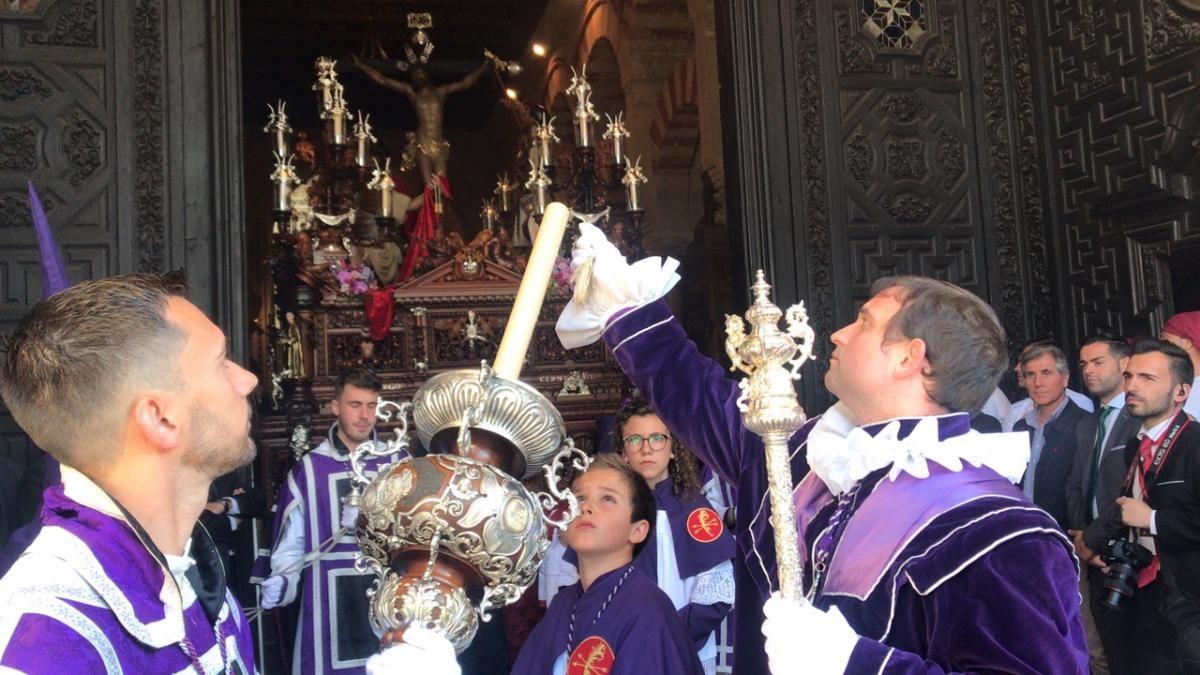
584	138
364	152
283	195
385	203
338	127
510	357
547	158
281	145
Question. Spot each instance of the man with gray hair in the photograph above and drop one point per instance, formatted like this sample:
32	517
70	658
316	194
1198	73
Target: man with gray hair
1051	425
130	387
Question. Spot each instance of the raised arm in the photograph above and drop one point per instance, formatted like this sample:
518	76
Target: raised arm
467	82
381	79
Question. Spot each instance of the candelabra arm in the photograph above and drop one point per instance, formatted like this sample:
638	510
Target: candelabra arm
556	494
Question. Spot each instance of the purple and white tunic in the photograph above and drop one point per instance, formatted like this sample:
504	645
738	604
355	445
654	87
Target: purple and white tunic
316	556
92	594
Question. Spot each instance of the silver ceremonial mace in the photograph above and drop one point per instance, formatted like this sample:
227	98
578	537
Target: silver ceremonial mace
771	359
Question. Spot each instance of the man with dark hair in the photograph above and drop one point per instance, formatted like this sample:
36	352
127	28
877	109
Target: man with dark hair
1051	425
129	386
314	538
1183	331
1161	506
1095	480
909	523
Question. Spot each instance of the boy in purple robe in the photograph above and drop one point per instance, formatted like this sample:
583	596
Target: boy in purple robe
910	527
312	558
615	621
129	386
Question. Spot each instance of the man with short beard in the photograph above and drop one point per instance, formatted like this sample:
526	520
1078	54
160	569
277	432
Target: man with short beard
1161	506
1095	483
129	386
315	543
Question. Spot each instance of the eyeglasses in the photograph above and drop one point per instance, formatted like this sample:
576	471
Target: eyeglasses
657	441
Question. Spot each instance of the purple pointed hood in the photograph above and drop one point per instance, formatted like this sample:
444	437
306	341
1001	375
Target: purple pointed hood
54	273
54	279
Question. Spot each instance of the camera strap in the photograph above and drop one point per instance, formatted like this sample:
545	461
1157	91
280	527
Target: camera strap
1160	456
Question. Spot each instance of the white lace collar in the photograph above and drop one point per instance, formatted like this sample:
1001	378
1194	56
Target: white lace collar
842	453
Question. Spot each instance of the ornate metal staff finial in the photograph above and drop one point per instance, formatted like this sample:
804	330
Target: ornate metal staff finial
362	127
771	359
617	133
632	179
284	176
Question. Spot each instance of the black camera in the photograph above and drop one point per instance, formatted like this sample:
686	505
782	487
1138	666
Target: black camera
1125	559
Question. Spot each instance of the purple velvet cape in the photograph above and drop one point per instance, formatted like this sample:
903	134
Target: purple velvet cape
334	627
691	558
124	583
640	624
698	403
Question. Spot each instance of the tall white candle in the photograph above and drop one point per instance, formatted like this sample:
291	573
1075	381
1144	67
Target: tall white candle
510	357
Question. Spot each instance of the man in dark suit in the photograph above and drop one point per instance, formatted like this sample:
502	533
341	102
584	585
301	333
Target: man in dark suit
1095	482
1161	509
1051	424
228	517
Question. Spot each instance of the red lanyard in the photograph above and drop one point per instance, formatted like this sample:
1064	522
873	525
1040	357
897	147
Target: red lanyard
1138	465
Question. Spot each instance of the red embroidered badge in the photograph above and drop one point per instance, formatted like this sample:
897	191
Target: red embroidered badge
705	525
593	656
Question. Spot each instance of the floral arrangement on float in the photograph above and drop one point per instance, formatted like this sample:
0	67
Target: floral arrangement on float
352	280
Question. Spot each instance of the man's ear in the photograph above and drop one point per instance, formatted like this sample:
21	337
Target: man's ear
639	532
333	407
156	417
913	358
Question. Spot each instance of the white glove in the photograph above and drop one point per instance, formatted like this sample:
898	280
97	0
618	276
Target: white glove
272	591
606	283
349	517
423	651
802	638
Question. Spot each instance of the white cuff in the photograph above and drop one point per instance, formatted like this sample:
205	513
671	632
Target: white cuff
612	285
1153	523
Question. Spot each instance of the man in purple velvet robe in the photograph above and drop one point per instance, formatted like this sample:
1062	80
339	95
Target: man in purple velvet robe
314	541
129	386
909	523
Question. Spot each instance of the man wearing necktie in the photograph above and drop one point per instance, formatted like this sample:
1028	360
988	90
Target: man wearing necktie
1161	508
1095	484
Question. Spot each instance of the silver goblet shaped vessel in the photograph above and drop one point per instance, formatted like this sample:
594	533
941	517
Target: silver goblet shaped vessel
453	535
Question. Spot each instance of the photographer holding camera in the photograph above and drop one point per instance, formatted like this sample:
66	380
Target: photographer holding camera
1159	524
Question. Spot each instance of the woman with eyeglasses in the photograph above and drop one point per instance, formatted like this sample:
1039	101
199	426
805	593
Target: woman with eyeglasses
688	553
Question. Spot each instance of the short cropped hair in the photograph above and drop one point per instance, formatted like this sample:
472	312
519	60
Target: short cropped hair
964	342
363	378
1118	347
641	496
1178	361
1041	349
76	357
